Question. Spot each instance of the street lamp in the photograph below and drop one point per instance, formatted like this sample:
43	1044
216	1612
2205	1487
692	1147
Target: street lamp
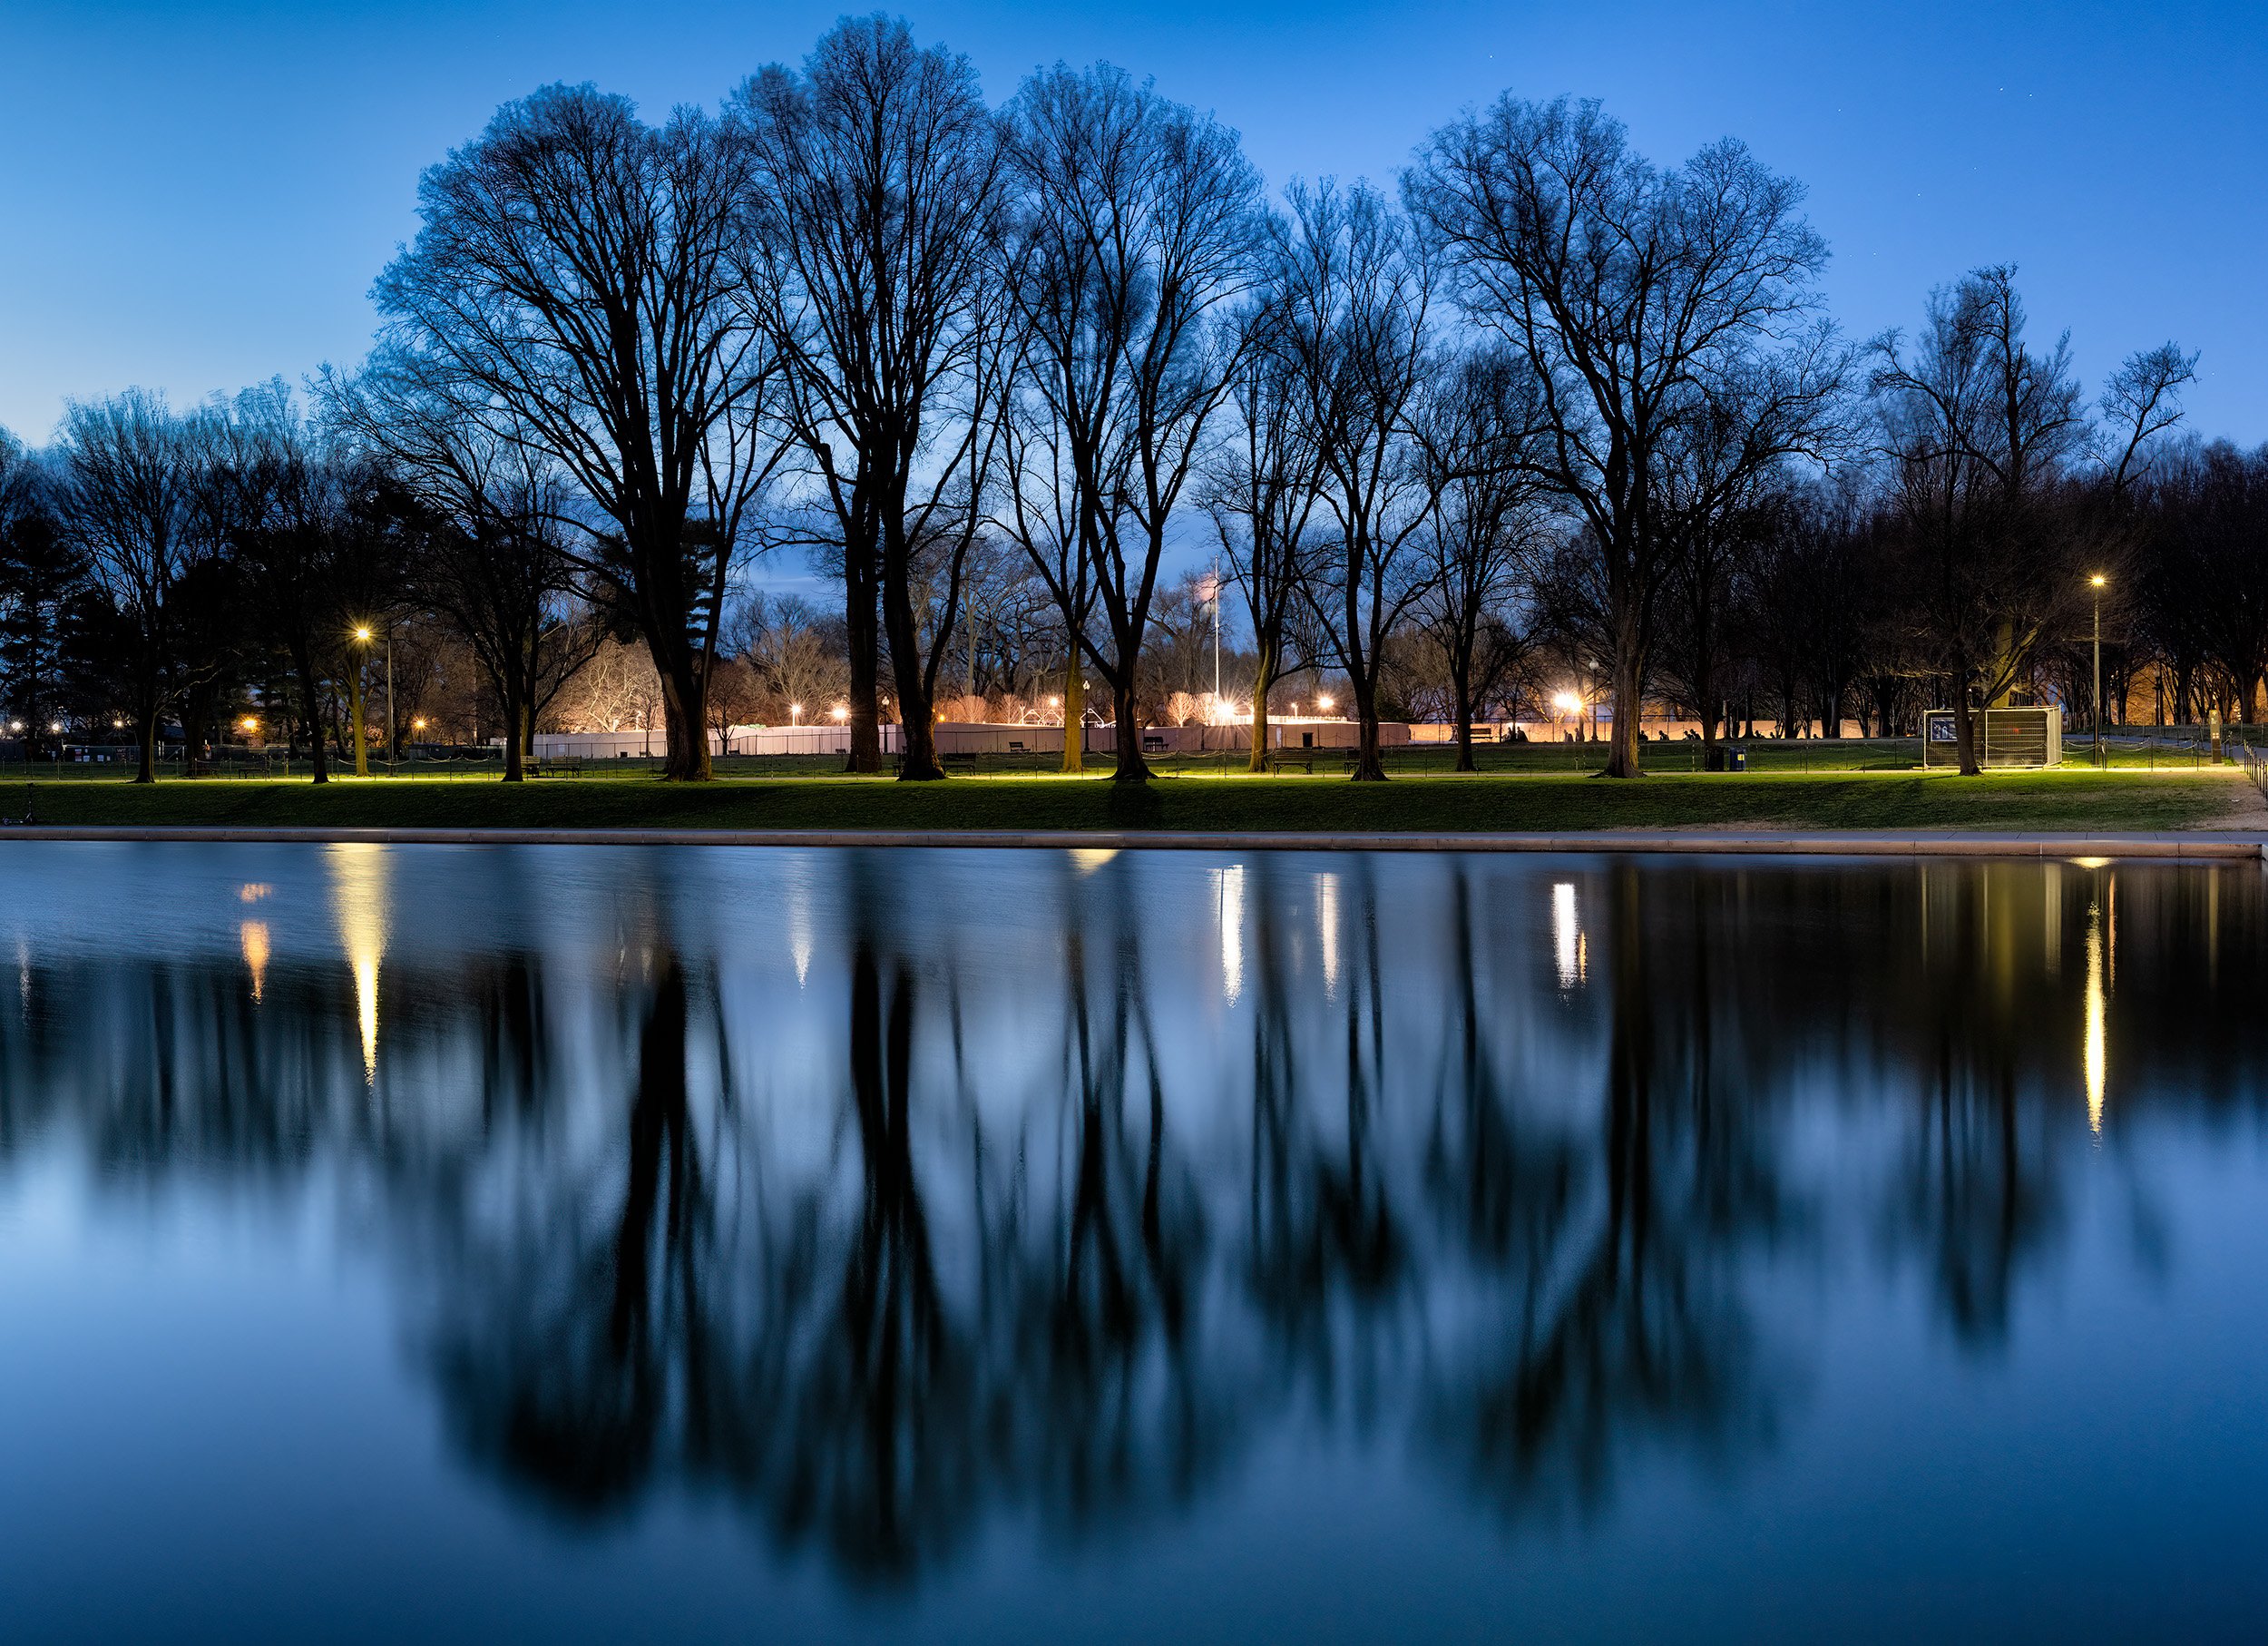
795	714
1322	705
841	713
2098	581
362	731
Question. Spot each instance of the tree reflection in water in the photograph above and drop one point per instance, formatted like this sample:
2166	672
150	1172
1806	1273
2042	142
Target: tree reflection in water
1005	1206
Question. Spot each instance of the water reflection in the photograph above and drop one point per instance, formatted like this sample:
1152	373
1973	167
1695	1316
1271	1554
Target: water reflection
896	1199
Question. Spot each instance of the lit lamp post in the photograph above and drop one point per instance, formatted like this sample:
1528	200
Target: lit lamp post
795	714
1322	705
354	700
2098	581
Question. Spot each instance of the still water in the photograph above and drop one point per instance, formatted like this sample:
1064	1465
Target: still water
530	1243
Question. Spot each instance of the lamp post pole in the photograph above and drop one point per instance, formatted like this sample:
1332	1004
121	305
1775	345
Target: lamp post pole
1216	637
2097	581
354	700
393	725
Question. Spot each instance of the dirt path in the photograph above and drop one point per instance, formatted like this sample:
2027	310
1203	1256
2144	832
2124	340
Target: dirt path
2248	807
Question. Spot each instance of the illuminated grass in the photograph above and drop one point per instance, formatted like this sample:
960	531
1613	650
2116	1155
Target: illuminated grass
2002	800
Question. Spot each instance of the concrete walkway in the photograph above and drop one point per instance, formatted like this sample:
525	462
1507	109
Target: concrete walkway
1949	843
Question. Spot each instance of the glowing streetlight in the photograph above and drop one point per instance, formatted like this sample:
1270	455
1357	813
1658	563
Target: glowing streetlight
55	726
362	637
840	712
795	714
418	724
1324	705
2098	581
249	723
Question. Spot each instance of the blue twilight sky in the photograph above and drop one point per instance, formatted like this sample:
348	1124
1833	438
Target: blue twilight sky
193	197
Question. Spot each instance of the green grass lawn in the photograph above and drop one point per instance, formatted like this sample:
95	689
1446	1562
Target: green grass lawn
2064	799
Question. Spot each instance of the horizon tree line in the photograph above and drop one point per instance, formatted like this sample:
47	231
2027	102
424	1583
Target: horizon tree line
1545	416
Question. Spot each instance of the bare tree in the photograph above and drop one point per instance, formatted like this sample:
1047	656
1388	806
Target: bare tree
1355	291
573	277
871	265
1263	494
40	574
1632	291
1486	528
798	654
1985	437
307	527
491	555
2204	578
1135	223
131	488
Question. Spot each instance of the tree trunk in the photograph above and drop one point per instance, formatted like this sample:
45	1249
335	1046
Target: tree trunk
1622	748
146	737
311	698
862	623
685	722
1074	715
515	716
919	727
917	708
1131	768
1263	679
1460	705
1368	766
193	736
1965	733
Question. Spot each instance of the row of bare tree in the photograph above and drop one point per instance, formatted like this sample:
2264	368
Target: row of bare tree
1553	401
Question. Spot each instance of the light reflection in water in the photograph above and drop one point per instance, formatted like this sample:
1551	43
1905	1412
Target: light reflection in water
987	1222
359	894
257	948
1567	936
1229	908
2098	1013
799	925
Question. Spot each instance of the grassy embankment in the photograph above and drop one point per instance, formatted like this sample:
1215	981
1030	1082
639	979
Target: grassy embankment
2066	800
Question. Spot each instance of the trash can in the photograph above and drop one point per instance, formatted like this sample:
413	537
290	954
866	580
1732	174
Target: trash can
1737	757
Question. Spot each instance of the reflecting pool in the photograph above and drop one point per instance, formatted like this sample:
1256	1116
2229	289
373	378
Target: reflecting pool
566	1243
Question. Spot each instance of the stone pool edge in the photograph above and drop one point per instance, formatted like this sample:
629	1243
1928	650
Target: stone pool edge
2168	844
